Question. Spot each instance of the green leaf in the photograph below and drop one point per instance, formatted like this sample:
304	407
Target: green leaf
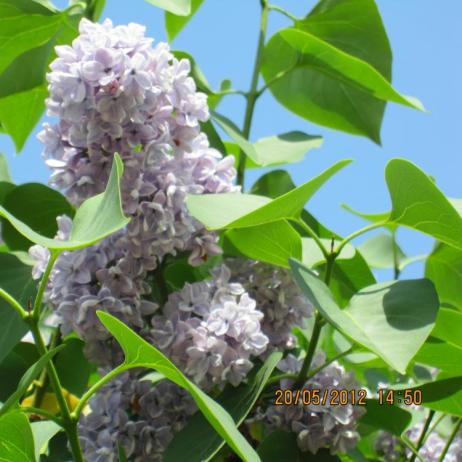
14	366
286	148
444	348
30	375
4	170
16	440
273	184
444	268
441	355
233	210
97	9
282	446
213	137
334	67
198	441
97	217
42	433
178	7
387	417
348	277
272	243
175	24
73	367
449	327
16	279
443	395
391	319
139	353
5	188
20	112
378	251
279	446
37	206
214	99
23	85
417	203
371	217
21	31
235	134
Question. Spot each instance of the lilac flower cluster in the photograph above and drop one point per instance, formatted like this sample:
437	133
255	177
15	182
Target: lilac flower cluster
393	450
317	426
137	415
277	296
113	92
211	329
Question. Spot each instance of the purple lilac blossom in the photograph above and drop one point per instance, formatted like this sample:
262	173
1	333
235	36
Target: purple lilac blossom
316	426
211	330
392	449
140	416
278	298
112	91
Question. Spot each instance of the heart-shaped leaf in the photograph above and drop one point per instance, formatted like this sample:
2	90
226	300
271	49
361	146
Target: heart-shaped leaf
233	210
418	203
16	439
30	375
178	7
285	148
198	441
139	353
272	243
96	218
391	319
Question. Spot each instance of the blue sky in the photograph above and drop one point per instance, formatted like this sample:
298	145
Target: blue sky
426	39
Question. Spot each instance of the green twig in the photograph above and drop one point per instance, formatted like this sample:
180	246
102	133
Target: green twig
405	440
357	233
450	440
94	388
421	440
318	324
284	12
252	95
313	235
327	363
13	303
42	286
396	267
43	413
68	423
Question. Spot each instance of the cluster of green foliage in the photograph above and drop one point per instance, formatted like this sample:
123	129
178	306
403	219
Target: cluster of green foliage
331	67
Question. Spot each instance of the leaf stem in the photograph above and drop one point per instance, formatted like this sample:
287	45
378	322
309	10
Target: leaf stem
327	363
313	235
253	95
318	324
411	447
33	318
42	286
396	267
94	388
13	303
69	425
357	233
283	11
421	440
43	413
450	440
